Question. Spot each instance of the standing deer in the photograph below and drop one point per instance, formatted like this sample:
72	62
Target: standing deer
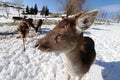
24	27
67	37
23	30
29	21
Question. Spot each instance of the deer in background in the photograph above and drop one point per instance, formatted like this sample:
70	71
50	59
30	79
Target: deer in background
67	37
24	27
39	23
29	21
23	30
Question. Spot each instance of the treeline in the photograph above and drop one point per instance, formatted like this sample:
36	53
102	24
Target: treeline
34	10
45	11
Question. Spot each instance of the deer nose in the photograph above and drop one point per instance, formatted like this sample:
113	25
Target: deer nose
36	45
45	46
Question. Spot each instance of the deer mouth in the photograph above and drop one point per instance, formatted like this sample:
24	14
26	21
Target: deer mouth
43	47
44	50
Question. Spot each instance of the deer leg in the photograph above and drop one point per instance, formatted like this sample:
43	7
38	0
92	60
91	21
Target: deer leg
24	43
68	77
80	77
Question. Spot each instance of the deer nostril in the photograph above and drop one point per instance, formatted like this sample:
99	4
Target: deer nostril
45	46
36	45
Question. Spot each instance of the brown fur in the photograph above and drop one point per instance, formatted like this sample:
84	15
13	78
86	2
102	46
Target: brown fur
29	22
23	30
39	23
65	37
16	19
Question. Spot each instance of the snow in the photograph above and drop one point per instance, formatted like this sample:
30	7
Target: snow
8	28
32	64
3	20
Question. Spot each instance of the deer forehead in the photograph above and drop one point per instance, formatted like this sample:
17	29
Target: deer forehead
67	24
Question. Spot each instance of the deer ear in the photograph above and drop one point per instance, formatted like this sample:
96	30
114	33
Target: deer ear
85	20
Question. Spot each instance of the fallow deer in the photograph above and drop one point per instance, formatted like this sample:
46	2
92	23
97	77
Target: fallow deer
39	23
16	19
29	21
23	30
67	37
24	27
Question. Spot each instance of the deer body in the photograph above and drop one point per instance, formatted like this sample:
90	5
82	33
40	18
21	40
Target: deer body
23	30
79	60
29	22
24	27
67	37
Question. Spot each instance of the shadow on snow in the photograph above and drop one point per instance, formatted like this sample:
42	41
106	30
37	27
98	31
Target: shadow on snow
44	30
111	70
7	33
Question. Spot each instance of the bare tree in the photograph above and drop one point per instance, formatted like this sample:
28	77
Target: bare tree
102	16
19	8
6	9
118	16
71	6
18	2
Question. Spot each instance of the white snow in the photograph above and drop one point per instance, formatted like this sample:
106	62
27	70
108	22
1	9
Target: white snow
6	28
32	64
3	20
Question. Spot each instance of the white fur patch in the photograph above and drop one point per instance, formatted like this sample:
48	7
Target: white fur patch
78	30
81	25
71	68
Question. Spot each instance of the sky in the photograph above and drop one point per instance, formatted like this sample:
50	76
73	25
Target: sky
53	6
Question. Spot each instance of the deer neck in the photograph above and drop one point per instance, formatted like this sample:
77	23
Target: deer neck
73	56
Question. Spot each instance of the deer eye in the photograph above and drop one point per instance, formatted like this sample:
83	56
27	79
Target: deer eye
72	24
59	37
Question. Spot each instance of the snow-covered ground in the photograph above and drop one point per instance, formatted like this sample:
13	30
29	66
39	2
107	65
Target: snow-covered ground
3	20
32	64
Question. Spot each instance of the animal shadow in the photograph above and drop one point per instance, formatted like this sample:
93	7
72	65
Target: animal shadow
97	29
87	32
44	30
111	70
7	33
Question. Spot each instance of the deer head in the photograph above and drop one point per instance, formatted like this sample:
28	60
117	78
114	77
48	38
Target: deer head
67	33
39	23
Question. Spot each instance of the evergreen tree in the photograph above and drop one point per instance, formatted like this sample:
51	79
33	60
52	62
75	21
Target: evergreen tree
32	10
43	10
46	11
35	9
27	10
23	12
